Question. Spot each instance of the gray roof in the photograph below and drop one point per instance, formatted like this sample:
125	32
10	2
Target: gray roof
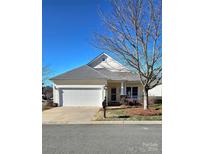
86	72
82	73
118	75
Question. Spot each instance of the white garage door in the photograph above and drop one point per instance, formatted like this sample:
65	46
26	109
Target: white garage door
81	97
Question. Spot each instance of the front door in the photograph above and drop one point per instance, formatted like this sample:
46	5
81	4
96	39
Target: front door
113	94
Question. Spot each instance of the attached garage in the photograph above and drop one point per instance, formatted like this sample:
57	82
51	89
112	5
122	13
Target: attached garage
81	96
83	86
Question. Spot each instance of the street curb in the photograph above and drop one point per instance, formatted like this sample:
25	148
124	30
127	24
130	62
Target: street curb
103	122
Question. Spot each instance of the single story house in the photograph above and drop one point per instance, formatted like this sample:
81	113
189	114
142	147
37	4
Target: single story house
89	84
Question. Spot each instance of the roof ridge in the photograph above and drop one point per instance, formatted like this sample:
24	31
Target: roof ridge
96	58
100	74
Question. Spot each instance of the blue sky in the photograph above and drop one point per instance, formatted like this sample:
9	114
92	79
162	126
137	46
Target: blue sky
68	26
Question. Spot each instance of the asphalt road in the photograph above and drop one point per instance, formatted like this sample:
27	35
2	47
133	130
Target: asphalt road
102	139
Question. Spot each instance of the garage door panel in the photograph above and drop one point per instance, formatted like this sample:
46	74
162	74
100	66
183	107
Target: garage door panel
82	96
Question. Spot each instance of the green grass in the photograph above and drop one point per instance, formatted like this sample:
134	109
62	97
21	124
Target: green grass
120	115
146	118
156	105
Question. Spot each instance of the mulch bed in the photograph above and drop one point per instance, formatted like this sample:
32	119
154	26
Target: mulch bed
141	111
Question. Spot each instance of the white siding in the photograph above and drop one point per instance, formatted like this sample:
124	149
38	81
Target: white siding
156	91
55	94
109	63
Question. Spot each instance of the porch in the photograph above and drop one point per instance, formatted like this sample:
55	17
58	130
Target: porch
118	92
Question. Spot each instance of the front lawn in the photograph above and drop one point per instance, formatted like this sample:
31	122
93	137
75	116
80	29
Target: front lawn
154	113
46	107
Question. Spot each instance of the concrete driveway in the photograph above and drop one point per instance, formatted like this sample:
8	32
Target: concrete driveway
69	114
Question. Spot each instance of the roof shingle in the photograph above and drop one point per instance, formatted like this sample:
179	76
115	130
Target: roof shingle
129	76
86	72
82	73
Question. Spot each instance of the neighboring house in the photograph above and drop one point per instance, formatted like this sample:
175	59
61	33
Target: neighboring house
89	84
156	91
155	94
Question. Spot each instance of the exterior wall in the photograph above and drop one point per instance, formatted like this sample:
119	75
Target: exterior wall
61	84
55	94
156	91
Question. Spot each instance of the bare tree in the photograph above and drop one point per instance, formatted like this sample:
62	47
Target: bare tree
46	72
134	34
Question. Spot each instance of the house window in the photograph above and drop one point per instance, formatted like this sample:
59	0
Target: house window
128	90
113	94
103	59
132	92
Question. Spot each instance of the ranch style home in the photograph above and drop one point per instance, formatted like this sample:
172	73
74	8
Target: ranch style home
90	84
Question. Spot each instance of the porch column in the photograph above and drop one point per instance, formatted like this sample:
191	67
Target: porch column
106	94
122	92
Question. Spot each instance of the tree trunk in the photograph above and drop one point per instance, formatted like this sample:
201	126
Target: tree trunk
145	99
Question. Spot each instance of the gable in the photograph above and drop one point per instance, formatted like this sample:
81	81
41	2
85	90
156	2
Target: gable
105	61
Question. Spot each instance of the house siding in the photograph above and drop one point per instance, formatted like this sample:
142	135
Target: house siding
156	91
109	64
55	94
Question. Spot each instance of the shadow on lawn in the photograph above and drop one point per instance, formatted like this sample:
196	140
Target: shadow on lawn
124	116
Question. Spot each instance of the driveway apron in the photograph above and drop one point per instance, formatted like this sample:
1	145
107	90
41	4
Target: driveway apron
69	114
